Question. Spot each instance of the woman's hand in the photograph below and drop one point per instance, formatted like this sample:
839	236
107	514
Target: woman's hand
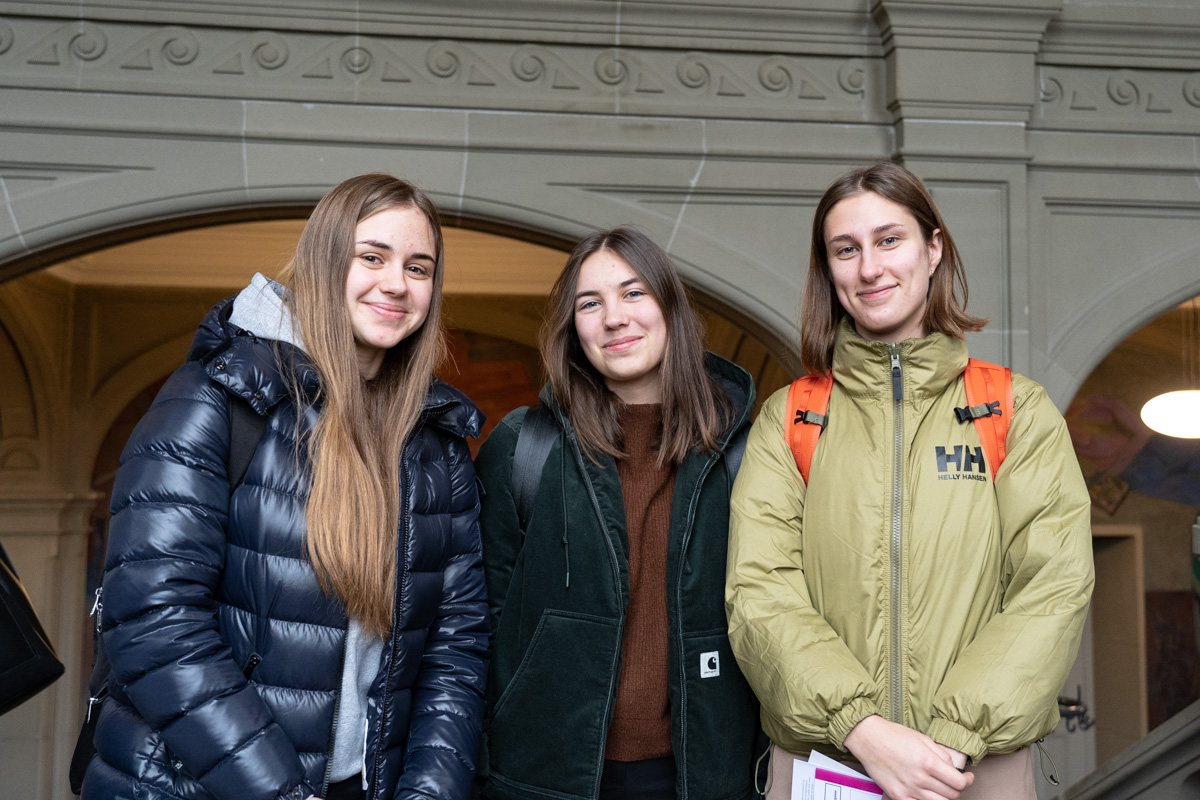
906	764
957	759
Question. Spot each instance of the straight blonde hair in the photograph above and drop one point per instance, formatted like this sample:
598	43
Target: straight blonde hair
356	445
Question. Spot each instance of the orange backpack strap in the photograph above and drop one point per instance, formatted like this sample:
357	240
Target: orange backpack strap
808	406
990	406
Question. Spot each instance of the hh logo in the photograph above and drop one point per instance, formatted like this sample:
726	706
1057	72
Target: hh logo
963	459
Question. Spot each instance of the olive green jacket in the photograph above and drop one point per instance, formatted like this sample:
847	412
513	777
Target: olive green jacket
904	582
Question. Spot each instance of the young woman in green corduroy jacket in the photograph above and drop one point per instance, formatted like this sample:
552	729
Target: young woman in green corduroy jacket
611	671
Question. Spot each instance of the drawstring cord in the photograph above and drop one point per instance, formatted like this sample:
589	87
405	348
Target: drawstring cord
758	765
562	481
1052	776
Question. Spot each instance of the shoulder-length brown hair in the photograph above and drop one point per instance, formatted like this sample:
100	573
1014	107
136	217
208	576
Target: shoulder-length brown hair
695	410
355	448
822	311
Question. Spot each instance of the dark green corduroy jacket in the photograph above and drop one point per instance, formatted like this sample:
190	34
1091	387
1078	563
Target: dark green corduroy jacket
557	598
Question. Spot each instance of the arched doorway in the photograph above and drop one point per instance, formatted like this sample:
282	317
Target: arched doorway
96	334
1140	663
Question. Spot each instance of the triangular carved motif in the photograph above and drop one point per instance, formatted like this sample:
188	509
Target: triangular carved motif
47	56
562	80
140	61
393	73
476	77
1079	102
232	66
647	85
322	69
729	88
1156	108
809	92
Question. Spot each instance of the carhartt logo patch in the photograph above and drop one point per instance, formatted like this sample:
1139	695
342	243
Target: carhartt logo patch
710	664
968	463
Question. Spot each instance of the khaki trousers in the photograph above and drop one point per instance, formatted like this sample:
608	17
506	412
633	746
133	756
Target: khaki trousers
997	777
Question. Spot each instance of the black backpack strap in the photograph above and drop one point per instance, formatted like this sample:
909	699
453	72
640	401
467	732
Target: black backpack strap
246	427
735	450
538	432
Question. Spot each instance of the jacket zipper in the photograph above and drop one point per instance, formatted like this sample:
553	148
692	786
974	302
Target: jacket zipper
401	578
337	702
102	691
614	672
896	699
687	535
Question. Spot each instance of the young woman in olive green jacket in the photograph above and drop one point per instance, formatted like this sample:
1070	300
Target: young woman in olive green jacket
611	671
904	610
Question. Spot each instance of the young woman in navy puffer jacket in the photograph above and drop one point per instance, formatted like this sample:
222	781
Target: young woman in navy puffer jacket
319	629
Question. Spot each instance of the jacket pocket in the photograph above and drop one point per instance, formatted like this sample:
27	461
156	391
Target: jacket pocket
547	727
721	719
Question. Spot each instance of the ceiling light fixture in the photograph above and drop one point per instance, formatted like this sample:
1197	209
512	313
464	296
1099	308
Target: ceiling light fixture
1178	413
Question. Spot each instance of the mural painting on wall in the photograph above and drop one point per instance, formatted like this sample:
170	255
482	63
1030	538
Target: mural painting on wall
1127	466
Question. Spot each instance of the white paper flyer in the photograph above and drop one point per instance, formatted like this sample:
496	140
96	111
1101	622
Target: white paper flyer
822	778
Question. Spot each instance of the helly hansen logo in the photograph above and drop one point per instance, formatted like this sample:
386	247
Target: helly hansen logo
964	460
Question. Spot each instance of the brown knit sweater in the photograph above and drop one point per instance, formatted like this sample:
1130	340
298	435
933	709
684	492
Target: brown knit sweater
641	723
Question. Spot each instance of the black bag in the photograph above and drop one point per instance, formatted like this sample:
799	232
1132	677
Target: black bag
28	662
246	428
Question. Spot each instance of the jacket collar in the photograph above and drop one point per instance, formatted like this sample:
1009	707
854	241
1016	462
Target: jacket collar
736	382
253	368
928	365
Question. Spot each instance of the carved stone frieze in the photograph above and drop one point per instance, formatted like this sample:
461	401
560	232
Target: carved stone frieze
1096	98
216	62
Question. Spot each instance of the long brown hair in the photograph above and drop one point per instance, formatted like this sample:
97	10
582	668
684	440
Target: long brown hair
355	447
695	410
822	311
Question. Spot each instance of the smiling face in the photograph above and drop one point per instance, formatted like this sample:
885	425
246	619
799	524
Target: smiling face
621	327
880	265
390	282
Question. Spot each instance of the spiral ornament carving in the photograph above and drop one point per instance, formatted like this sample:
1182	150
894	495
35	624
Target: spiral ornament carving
1122	90
89	44
527	65
181	47
357	60
442	61
693	72
1191	90
1051	90
272	53
610	69
775	76
852	78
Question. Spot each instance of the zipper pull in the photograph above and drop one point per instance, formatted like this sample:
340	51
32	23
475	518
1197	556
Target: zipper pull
97	607
897	386
92	703
366	736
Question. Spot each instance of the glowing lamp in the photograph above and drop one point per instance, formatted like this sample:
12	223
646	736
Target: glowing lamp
1174	414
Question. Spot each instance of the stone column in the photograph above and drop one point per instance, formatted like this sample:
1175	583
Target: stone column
45	536
961	86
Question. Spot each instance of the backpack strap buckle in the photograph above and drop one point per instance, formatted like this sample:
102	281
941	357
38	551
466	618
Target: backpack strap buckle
810	418
968	413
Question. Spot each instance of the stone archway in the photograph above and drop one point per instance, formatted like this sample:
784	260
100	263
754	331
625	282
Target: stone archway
103	325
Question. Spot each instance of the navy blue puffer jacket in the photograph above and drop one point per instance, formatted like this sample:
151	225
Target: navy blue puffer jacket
226	654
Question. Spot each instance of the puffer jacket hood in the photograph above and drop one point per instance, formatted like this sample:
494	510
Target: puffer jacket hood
557	644
901	581
226	654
